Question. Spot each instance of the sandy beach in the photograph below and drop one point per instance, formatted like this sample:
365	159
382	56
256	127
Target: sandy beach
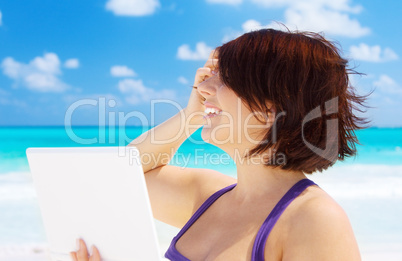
372	203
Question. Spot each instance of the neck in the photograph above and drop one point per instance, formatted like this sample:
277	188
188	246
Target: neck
255	180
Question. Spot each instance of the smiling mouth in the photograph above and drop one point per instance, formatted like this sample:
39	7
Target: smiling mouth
211	112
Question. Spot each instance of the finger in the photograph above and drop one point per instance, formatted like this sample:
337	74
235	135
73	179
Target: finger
211	63
95	254
204	71
73	256
213	54
82	252
202	74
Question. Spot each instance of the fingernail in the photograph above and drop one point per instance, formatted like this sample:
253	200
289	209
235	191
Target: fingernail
214	72
78	244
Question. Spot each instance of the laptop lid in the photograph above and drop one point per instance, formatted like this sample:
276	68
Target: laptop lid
97	194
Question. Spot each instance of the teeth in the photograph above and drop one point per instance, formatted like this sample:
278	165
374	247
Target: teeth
212	110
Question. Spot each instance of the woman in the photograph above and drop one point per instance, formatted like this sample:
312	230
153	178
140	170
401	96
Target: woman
280	104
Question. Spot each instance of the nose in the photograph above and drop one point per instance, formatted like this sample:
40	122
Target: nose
208	87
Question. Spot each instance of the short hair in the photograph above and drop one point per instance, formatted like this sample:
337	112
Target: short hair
300	73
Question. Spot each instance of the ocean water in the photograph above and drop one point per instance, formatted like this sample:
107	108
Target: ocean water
368	186
378	145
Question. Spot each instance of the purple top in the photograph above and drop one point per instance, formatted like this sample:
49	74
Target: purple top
262	235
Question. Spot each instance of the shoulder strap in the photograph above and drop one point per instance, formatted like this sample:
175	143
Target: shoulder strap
263	233
203	208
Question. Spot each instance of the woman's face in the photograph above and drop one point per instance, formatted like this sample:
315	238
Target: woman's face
229	124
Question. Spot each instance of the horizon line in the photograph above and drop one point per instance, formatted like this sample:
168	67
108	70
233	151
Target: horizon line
63	126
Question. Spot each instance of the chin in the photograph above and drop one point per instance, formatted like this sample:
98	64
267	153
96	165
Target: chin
217	137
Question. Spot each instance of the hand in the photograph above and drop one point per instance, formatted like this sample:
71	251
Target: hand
82	253
195	107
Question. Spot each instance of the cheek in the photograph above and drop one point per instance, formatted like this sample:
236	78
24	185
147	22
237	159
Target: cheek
219	130
238	122
231	122
255	129
254	125
229	101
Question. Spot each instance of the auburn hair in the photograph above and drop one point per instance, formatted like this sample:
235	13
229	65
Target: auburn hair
305	78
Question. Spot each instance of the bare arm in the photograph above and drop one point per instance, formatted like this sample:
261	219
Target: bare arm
321	232
176	192
158	145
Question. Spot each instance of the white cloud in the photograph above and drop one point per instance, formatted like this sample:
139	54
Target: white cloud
248	26
121	71
41	74
132	7
137	93
182	80
251	25
326	20
229	2
49	63
72	63
387	85
374	53
339	5
201	52
328	16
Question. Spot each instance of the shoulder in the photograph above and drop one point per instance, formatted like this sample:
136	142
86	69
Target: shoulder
205	180
176	192
208	182
319	229
200	183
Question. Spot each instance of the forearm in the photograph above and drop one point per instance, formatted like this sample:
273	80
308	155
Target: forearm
158	145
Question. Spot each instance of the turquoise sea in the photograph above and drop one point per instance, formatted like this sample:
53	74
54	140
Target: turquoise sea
368	186
379	145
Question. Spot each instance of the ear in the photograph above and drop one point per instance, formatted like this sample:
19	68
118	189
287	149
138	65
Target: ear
271	107
271	112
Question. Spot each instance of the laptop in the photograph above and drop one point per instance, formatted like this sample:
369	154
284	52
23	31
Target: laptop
97	194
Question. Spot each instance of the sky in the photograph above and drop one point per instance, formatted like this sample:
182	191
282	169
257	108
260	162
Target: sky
102	62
